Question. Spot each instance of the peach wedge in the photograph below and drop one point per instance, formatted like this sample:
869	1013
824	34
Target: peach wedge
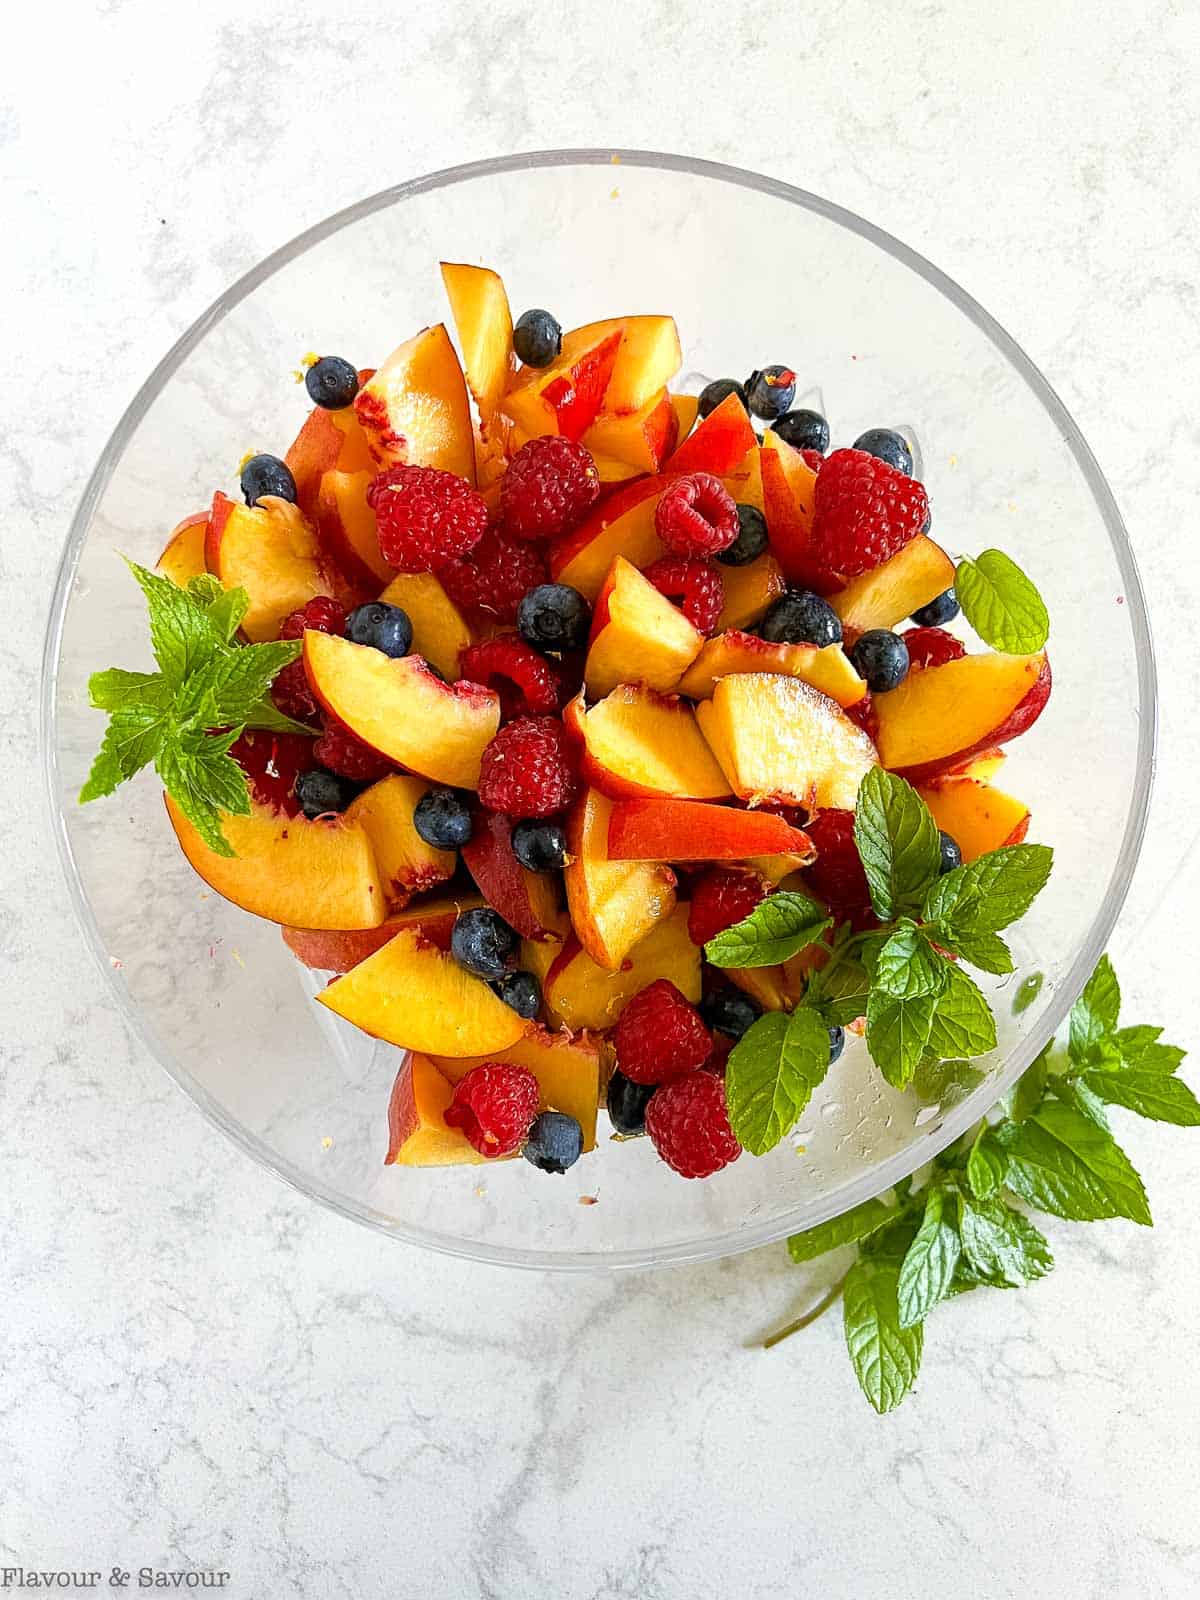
622	525
638	636
413	995
567	1071
337	950
415	409
270	551
579	993
978	817
407	865
479	304
402	709
914	576
637	742
613	904
418	1135
439	632
183	558
827	669
781	739
940	716
690	830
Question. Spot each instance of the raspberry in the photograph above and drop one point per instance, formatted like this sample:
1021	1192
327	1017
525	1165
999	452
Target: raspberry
550	486
688	1124
932	647
862	715
837	874
426	517
659	1035
527	683
864	512
338	750
723	896
322	614
495	578
527	770
292	693
696	585
697	516
494	1105
814	459
272	762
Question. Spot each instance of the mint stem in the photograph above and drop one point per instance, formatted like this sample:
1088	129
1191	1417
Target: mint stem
829	1298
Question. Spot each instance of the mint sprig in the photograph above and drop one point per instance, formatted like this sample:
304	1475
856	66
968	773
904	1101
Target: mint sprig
184	718
1048	1148
1001	603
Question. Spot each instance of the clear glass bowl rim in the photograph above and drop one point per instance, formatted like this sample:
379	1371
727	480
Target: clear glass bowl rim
961	1116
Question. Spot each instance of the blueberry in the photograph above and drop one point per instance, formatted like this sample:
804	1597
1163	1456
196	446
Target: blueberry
770	392
267	475
951	856
385	627
938	612
554	617
555	1142
730	1011
751	540
887	445
540	846
801	617
320	792
837	1043
332	383
627	1102
483	942
881	657
443	819
537	338
720	389
803	430
521	991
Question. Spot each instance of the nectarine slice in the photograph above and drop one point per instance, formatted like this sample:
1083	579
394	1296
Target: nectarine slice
978	817
941	715
418	1135
781	739
913	577
622	525
579	993
750	592
270	551
745	482
440	633
638	636
526	900
612	904
183	558
414	996
788	502
638	742
332	950
567	1071
648	358
566	396
643	438
827	669
690	830
402	709
482	318
716	445
406	864
415	409
328	440
320	874
347	529
686	408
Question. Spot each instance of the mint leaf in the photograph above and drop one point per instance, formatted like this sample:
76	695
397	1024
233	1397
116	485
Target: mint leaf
118	690
840	992
224	608
778	927
132	739
1139	1046
987	951
204	785
1094	1014
939	1081
898	1033
891	1243
1027	992
1074	1092
1156	1095
886	1357
987	1165
266	715
907	967
849	1228
928	1268
180	632
991	892
897	841
230	684
962	1023
771	1074
1001	1245
1001	603
1060	1161
1029	1090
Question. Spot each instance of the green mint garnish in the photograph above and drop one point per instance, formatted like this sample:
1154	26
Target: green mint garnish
1001	603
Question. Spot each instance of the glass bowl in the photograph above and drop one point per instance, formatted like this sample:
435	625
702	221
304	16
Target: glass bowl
754	271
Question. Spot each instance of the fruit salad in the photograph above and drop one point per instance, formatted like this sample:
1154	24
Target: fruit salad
613	750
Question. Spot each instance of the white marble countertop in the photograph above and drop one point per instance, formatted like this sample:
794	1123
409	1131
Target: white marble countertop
202	1369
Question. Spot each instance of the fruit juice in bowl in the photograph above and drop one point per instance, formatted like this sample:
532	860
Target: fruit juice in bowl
622	772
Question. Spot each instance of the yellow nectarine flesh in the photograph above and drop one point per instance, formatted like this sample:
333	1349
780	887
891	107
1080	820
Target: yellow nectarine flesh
938	712
914	576
567	1071
612	904
407	865
440	633
581	994
827	669
270	551
418	1135
638	636
479	305
637	742
978	817
415	409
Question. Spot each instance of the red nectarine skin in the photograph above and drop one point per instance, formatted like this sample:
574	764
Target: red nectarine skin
575	396
524	899
1019	721
718	445
692	830
606	513
788	501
